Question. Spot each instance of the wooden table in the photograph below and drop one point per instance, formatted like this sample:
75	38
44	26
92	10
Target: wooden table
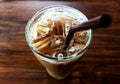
99	65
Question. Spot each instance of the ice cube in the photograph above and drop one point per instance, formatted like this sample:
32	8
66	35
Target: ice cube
75	48
56	42
34	35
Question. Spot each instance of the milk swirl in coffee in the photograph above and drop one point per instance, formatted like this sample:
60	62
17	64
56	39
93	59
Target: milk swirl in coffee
48	35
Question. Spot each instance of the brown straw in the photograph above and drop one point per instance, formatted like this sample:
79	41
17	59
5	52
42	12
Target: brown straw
94	23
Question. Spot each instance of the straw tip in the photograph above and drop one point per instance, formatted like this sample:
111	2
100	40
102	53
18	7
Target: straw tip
105	20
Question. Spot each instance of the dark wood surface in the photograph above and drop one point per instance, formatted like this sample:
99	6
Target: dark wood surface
99	65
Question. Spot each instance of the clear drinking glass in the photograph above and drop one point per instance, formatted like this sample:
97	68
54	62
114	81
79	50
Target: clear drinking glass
58	68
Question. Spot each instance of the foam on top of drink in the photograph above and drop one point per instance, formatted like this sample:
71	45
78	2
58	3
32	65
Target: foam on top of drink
48	35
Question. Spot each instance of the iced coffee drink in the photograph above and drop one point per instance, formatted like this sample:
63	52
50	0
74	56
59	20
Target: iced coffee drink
46	34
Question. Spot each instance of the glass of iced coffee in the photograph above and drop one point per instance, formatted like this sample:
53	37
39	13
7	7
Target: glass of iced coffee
46	34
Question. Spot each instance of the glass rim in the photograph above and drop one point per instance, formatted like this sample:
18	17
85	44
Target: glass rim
51	57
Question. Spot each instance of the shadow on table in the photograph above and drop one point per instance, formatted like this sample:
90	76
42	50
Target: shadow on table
85	78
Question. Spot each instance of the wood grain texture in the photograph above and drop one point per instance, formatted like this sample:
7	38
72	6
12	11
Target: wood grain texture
99	65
